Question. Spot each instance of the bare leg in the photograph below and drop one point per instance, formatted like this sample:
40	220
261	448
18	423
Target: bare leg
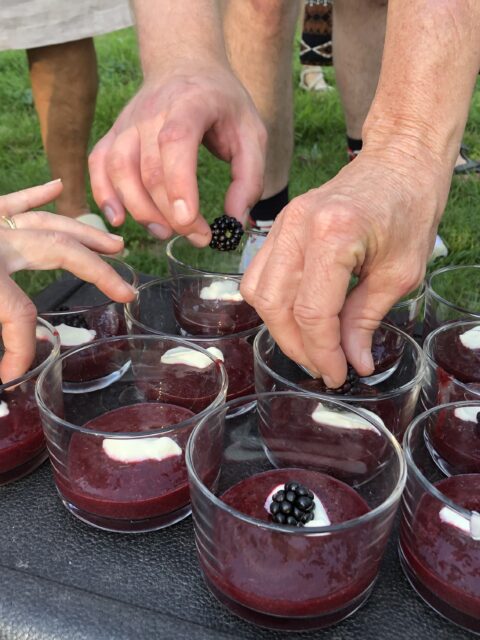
358	37
64	84
259	36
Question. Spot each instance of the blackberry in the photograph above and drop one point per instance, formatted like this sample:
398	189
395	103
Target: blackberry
226	233
71	319
350	386
293	505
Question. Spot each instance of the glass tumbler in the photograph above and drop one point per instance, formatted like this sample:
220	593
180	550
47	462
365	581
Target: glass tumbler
118	453
22	445
390	394
440	527
263	566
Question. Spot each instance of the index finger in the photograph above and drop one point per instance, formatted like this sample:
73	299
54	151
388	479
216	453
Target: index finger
179	140
320	299
26	199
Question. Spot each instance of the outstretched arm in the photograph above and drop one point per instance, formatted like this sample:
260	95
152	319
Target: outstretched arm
378	217
147	162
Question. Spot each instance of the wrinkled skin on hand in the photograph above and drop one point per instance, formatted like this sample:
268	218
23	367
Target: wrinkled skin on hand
376	219
147	162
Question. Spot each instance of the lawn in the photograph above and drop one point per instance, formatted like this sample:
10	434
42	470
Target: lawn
320	152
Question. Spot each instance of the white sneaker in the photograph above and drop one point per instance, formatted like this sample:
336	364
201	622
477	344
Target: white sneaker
254	243
93	220
440	250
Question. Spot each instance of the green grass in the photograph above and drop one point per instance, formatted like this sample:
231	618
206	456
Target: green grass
319	137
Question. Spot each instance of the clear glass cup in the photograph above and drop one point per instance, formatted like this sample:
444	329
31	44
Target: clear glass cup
393	396
185	259
22	445
407	312
453	371
440	527
453	293
174	306
80	323
277	575
118	453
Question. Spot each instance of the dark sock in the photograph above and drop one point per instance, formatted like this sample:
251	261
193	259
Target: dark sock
269	208
354	146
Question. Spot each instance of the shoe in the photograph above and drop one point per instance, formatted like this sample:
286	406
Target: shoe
440	250
92	220
312	79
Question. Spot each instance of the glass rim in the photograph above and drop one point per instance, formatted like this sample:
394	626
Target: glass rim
385	395
85	308
427	348
33	373
394	495
200	338
431	291
124	435
419	294
171	244
407	450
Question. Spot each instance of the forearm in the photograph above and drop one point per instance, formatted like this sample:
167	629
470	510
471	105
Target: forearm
430	64
170	31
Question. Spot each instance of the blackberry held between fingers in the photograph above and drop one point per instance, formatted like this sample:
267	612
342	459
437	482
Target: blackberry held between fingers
349	386
293	505
226	233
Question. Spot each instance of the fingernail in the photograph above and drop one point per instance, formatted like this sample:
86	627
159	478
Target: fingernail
109	213
181	212
130	288
329	382
159	231
198	239
366	359
54	181
115	237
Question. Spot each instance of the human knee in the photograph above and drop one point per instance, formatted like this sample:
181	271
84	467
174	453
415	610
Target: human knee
275	18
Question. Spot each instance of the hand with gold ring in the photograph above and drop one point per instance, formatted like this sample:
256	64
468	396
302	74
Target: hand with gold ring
40	240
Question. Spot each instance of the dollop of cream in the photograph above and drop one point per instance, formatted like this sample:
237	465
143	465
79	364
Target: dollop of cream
140	449
471	338
227	290
321	518
4	410
74	336
190	357
344	419
467	414
470	526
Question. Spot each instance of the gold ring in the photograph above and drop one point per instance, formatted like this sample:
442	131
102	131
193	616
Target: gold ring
10	221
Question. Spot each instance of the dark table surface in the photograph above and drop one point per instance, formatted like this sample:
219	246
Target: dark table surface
62	580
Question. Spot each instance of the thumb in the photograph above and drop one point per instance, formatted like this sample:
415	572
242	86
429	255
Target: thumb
364	309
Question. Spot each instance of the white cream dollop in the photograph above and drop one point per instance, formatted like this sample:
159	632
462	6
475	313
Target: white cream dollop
227	290
467	414
343	419
321	518
140	449
471	338
4	410
191	357
470	526
74	336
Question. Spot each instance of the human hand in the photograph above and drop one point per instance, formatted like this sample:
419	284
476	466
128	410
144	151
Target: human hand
147	162
45	241
375	219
